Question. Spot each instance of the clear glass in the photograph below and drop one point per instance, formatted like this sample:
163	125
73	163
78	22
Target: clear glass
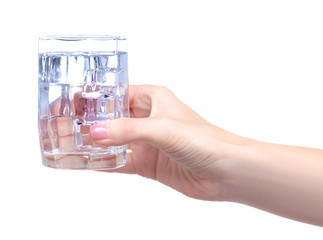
83	80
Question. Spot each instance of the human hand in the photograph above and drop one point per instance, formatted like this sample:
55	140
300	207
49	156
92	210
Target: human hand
170	143
174	145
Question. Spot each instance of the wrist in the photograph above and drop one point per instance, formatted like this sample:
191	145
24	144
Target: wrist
236	168
284	180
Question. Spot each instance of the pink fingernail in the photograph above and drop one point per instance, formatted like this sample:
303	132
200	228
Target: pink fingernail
99	132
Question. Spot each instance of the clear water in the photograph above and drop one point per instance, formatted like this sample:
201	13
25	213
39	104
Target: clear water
76	90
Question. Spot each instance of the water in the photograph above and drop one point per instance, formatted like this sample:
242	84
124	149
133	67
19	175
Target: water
76	90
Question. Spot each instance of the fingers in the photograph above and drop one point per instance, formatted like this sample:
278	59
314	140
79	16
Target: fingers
155	131
151	101
138	93
140	101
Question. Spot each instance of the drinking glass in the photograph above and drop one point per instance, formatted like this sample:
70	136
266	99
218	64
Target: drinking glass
83	80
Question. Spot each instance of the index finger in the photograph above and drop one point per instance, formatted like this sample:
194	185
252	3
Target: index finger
140	100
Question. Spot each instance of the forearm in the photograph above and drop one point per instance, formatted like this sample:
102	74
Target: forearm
284	180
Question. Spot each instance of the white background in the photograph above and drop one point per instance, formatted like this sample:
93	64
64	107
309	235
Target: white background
254	68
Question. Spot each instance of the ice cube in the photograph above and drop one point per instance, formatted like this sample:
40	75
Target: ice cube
108	77
113	62
111	78
99	75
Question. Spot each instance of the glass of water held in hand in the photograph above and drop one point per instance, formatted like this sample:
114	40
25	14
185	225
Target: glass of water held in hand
83	80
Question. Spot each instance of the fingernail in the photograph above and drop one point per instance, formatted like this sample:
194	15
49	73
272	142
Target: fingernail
99	132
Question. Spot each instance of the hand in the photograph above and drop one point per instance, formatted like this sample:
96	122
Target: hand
174	145
170	143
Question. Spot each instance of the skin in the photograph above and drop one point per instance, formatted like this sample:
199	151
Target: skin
172	144
164	143
177	147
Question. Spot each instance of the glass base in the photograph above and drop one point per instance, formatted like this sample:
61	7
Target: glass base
84	161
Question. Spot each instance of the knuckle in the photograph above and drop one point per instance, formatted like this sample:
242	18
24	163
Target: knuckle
162	91
166	90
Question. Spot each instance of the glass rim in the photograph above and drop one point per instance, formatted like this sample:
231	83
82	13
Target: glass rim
82	37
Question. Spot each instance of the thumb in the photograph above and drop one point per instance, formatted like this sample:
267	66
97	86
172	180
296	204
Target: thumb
158	131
